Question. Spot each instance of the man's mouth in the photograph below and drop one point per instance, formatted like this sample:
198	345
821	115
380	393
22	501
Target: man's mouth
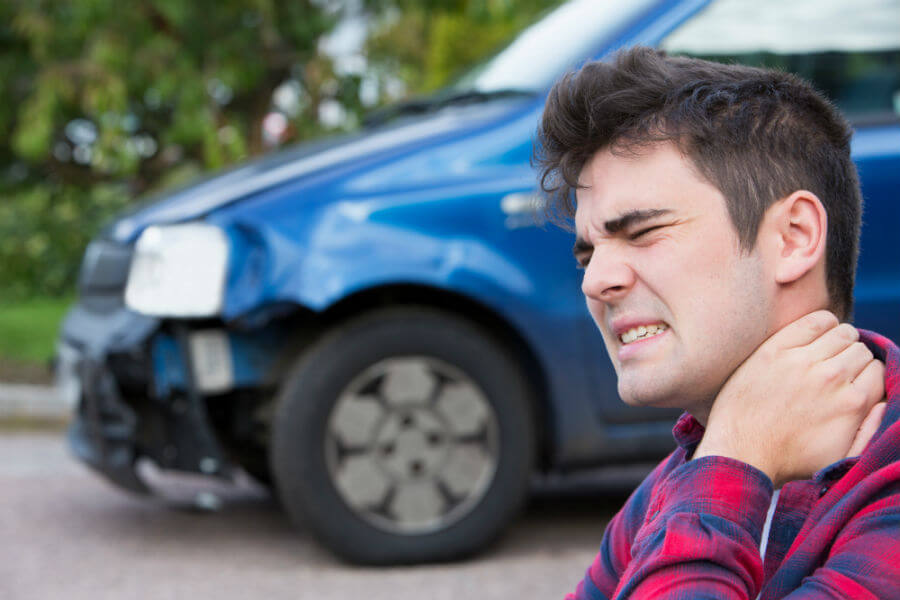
642	332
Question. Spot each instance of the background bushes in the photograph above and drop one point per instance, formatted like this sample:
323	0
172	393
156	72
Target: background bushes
106	101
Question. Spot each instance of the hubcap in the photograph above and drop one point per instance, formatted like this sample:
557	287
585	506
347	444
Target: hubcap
411	445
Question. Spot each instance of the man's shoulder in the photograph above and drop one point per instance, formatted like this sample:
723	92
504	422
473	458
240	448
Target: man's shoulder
640	498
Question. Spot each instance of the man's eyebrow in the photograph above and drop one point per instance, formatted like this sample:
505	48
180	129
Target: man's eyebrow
628	219
633	217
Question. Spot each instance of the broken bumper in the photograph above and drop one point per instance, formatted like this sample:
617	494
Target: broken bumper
105	366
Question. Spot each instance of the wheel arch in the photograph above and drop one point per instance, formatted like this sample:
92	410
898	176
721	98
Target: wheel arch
398	295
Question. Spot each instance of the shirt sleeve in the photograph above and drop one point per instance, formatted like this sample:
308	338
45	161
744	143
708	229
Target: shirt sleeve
603	575
700	535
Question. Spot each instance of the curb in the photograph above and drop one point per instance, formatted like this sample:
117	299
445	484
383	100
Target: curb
20	401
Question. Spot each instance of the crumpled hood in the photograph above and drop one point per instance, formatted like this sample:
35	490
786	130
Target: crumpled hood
205	196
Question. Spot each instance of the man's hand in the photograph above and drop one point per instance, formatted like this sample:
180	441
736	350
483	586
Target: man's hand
807	397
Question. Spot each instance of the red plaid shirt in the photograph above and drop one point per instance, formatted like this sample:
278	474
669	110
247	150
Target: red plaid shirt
692	529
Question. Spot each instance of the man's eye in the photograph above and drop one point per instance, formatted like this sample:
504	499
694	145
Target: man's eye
641	232
581	262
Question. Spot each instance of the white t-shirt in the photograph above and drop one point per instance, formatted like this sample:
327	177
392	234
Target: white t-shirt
768	525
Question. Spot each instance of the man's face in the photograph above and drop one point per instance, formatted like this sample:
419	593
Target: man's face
679	305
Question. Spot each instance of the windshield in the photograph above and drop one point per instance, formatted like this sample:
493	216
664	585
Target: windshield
731	27
553	45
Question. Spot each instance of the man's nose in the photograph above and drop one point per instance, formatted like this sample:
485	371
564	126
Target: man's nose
607	277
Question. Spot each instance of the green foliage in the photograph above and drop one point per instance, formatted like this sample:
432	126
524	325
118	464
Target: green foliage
106	101
43	232
28	330
428	43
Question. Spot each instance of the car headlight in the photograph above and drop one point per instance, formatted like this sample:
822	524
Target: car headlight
178	271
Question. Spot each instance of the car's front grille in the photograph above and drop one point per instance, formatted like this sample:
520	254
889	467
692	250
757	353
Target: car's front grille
104	272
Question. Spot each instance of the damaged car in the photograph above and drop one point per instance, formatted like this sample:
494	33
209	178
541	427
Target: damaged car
381	328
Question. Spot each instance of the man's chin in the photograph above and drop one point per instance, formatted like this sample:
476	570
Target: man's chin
650	396
692	397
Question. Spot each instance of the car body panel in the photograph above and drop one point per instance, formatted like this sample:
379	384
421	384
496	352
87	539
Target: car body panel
443	203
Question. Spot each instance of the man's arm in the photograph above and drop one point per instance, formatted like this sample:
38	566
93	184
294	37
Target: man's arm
605	572
702	533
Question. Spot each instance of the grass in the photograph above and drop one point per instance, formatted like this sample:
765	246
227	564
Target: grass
20	423
28	329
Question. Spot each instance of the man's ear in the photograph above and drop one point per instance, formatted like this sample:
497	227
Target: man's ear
800	226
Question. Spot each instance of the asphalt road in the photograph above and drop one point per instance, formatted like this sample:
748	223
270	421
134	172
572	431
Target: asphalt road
65	533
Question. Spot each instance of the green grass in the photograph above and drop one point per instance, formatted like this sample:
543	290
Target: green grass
28	329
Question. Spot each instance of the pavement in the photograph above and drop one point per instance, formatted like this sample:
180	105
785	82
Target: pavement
66	533
30	402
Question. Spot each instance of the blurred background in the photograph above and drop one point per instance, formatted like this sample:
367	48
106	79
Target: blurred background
104	105
394	279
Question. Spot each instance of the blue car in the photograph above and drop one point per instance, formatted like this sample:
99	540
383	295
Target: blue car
383	329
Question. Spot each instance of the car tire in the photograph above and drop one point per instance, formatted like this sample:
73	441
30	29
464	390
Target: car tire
404	436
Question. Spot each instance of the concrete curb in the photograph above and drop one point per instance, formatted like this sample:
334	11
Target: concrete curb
20	401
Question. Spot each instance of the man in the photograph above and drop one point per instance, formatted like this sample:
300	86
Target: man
717	216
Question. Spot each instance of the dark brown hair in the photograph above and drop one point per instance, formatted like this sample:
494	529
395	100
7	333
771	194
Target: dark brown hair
757	135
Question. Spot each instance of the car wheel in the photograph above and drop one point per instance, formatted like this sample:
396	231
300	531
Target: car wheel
404	436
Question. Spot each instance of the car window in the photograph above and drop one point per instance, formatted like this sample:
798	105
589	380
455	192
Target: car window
572	31
849	50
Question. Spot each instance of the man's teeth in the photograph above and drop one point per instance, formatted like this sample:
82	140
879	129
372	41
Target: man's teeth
642	332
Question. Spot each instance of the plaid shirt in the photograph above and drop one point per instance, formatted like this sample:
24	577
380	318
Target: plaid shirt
692	528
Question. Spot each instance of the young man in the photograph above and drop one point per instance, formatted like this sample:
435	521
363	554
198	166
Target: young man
717	216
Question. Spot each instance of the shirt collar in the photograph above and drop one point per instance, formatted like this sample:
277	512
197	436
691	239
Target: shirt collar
688	432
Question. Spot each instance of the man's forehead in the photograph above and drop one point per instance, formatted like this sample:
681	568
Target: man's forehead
604	186
628	162
599	209
614	184
622	155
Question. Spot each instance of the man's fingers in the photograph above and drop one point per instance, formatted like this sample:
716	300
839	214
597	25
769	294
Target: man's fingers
867	429
804	330
871	382
834	341
847	365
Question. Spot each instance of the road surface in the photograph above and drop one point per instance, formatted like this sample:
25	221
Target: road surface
65	533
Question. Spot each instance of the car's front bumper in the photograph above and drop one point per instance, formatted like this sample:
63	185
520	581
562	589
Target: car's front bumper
105	364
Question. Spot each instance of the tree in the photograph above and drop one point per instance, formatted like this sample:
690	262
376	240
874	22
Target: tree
105	101
427	43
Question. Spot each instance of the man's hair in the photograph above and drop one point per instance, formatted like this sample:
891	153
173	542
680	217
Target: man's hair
757	135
